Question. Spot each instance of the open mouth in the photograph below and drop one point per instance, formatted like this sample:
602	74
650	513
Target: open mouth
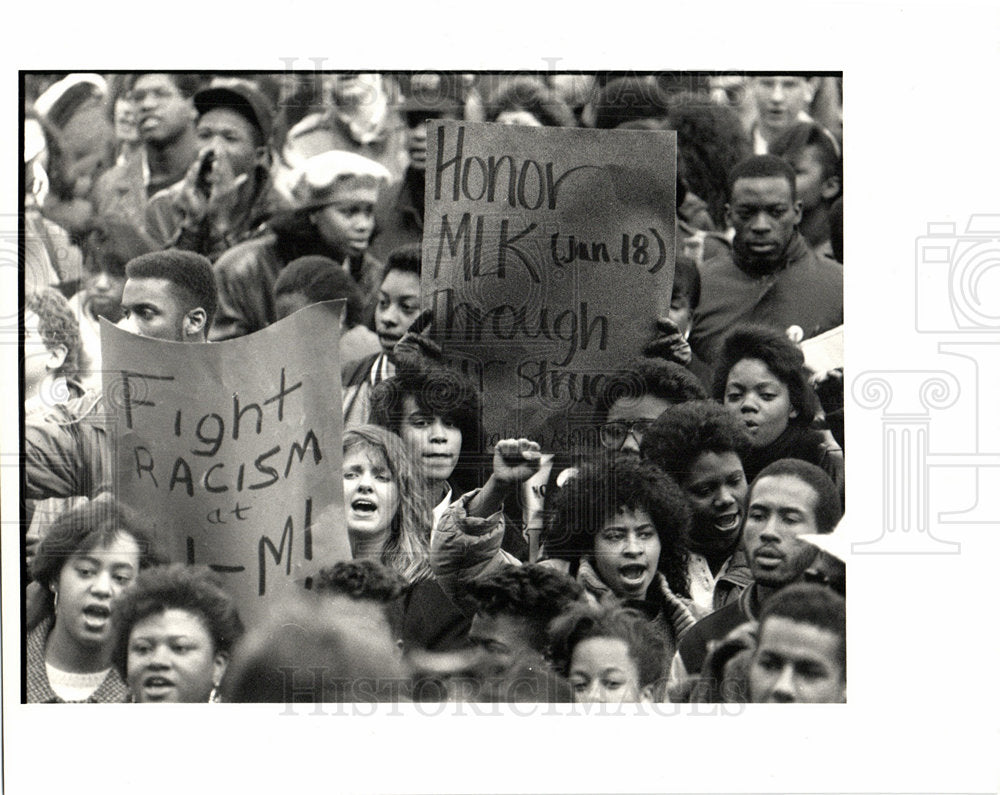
632	573
363	506
96	616
727	522
154	687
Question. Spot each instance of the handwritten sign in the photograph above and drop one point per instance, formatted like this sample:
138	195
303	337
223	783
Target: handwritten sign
547	255
233	449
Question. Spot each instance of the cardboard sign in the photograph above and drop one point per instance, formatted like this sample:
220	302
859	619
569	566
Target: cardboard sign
232	450
547	255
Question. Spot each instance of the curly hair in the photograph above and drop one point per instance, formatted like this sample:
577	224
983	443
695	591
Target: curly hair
438	391
407	550
683	432
57	325
609	619
193	589
602	487
83	528
533	96
649	376
190	273
534	592
361	579
321	279
781	356
711	140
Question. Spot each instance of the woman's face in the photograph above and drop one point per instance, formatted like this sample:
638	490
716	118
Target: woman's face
601	671
756	396
371	495
171	658
434	441
627	552
716	489
89	584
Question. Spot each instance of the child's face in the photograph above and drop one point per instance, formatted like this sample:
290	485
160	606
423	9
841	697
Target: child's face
680	312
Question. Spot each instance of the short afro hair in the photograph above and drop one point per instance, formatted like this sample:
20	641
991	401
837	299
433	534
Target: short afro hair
190	273
534	592
781	356
815	605
828	507
646	646
84	527
193	589
650	376
321	279
599	490
57	325
683	432
186	83
761	166
361	579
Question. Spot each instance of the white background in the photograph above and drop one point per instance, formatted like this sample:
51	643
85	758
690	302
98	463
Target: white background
921	146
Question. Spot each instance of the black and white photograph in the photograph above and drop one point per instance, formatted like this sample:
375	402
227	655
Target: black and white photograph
509	392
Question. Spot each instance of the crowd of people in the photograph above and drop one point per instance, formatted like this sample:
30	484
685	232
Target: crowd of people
680	553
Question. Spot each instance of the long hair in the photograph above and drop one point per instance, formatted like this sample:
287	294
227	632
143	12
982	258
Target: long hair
407	549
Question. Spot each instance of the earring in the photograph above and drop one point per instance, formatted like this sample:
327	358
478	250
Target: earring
214	697
55	599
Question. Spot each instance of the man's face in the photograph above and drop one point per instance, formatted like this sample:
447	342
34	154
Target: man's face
152	308
228	135
628	419
764	216
347	222
416	135
781	508
780	100
162	113
504	638
797	662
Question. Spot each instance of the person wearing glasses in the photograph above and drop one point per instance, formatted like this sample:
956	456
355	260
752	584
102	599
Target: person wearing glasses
633	398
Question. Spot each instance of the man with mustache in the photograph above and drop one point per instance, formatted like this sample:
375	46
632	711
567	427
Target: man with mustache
789	499
771	276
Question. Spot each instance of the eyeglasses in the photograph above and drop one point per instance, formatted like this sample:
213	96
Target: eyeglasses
613	434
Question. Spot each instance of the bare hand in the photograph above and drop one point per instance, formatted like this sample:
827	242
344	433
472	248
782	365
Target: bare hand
516	460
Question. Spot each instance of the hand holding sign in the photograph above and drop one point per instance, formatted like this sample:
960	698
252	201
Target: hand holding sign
415	348
668	343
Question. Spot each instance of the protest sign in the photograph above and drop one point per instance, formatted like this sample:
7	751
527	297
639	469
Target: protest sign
547	255
232	450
